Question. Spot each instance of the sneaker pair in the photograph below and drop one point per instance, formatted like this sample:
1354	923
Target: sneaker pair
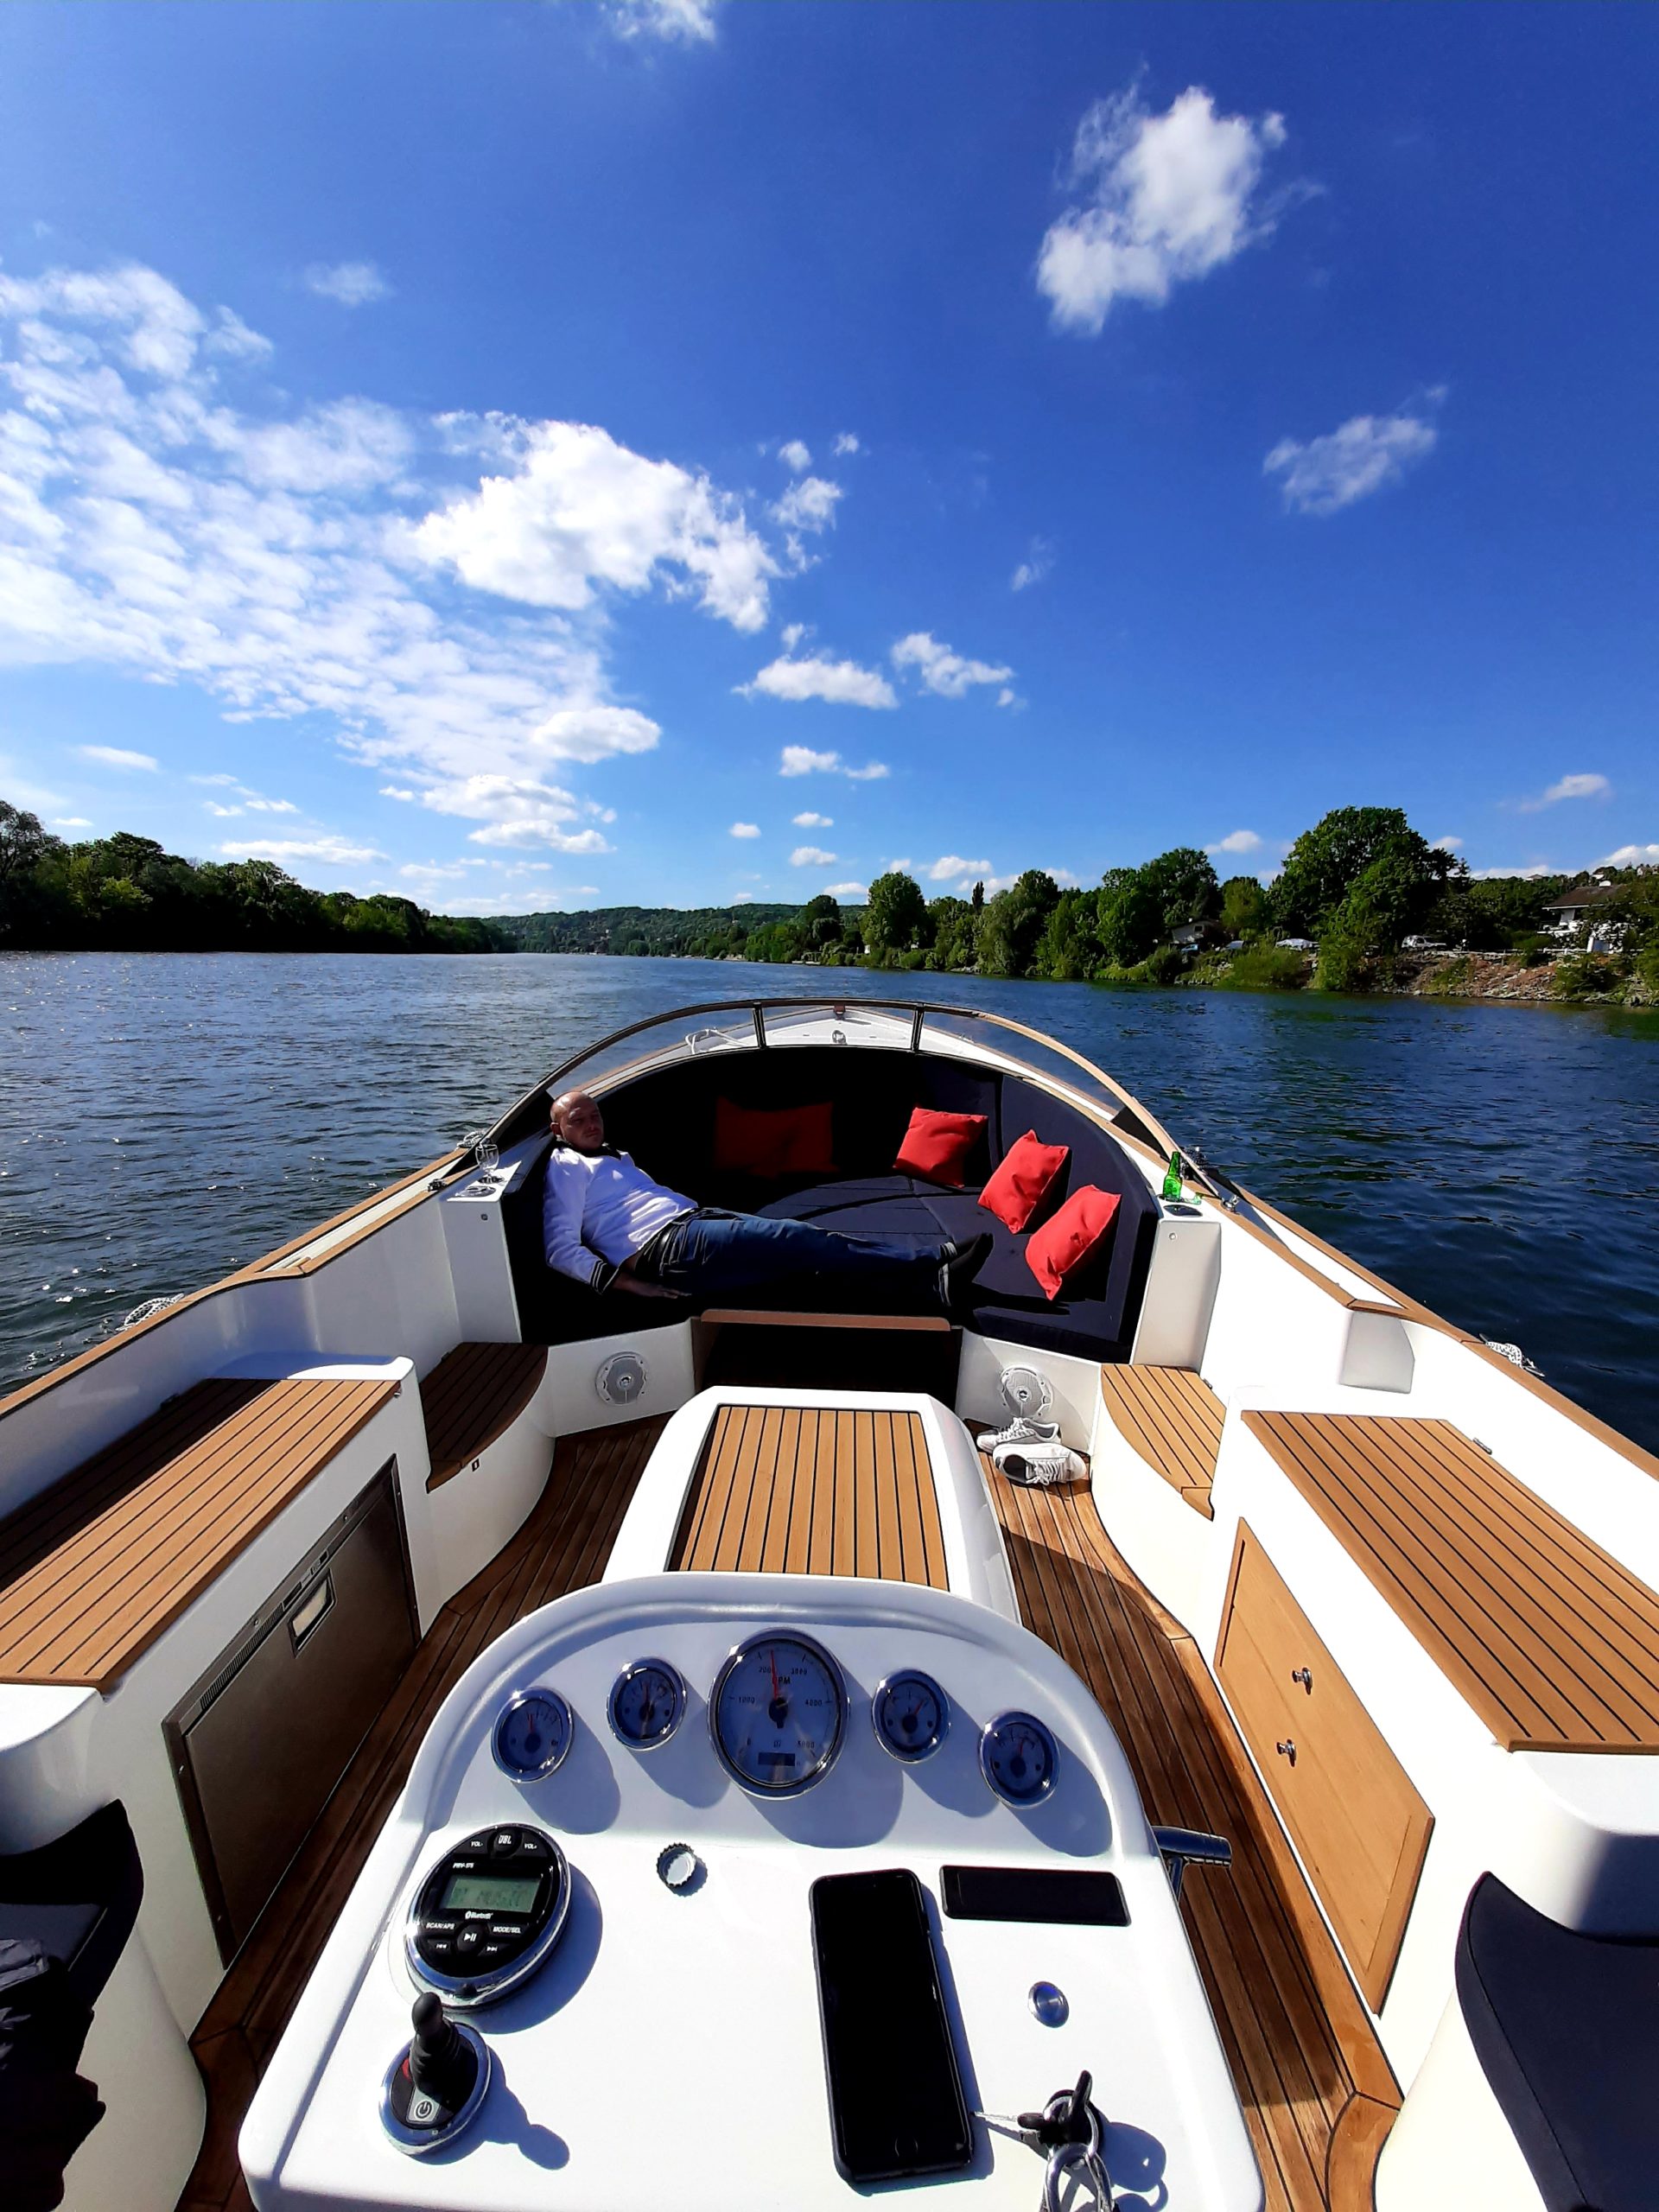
1030	1452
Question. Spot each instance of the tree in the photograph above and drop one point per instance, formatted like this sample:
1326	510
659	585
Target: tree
1244	909
1014	921
895	914
952	923
22	841
1127	919
820	921
1182	885
1069	948
1326	861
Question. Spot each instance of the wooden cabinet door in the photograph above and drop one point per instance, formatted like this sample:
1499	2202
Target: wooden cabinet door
1361	1828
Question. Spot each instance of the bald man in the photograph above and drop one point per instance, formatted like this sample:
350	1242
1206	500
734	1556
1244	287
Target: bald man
606	1223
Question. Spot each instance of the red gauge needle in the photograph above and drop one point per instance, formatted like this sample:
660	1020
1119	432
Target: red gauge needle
771	1657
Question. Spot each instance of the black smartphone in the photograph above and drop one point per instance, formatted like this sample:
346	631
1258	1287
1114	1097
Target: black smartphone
896	2106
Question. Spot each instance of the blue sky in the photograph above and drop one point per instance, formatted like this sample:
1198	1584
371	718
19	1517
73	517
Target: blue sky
556	454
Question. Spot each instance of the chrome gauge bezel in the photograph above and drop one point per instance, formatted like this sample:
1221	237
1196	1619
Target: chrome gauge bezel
765	1794
1028	1720
420	2142
555	1759
907	1756
631	1673
470	1993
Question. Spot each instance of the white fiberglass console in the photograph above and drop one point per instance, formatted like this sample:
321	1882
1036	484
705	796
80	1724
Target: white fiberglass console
662	2045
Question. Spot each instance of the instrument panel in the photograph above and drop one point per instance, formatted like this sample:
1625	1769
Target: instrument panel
778	1717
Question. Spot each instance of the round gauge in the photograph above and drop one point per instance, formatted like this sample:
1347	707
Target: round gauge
647	1704
532	1734
911	1713
1018	1758
776	1714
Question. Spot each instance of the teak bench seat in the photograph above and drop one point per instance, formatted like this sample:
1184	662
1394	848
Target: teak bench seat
95	1568
471	1396
1551	1641
788	1489
1173	1419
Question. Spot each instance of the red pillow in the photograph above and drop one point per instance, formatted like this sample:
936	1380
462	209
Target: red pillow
936	1145
773	1141
1015	1191
1061	1246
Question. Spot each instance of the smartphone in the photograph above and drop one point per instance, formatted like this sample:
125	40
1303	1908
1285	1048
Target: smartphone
896	2106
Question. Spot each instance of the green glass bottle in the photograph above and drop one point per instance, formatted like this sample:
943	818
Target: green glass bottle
1173	1179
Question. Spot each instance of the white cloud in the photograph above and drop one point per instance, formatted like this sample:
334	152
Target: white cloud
808	505
842	682
397	791
744	830
899	867
1632	856
73	822
686	22
941	871
353	284
848	890
1236	841
116	756
795	457
801	760
845	444
871	773
743	899
1367	453
1169	198
580	510
811	821
337	852
1036	567
1529	875
350	446
793	634
812	856
1568	787
946	672
1446	845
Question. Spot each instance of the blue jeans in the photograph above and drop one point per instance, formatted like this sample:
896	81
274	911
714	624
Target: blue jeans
713	1254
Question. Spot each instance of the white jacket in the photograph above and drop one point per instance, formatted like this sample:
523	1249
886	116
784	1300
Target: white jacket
599	1209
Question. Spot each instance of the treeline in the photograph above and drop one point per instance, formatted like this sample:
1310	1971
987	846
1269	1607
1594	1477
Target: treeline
701	933
126	893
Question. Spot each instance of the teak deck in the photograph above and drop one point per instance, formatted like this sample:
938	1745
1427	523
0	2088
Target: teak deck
1318	2095
1551	1641
94	1569
796	1491
1173	1419
472	1394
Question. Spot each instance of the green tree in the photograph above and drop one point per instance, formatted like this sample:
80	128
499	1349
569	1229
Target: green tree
951	921
1183	884
895	915
1014	921
1244	909
1068	950
1326	862
1127	919
820	921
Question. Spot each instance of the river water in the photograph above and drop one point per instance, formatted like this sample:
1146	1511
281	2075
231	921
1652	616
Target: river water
165	1118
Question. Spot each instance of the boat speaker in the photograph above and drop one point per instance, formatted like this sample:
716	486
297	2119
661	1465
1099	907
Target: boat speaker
621	1378
1026	1391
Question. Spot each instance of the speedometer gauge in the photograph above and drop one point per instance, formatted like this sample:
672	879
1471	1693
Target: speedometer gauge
911	1713
1018	1758
776	1713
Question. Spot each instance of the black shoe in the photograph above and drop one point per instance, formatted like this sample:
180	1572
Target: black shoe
958	1264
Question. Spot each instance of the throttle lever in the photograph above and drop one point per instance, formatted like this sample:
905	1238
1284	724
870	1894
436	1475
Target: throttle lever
1065	2119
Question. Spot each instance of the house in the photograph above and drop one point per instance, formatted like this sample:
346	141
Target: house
1197	937
1583	906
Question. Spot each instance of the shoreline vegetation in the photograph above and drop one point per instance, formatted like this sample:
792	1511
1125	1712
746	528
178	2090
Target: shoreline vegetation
1363	903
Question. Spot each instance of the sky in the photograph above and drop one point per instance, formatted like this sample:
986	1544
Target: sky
683	451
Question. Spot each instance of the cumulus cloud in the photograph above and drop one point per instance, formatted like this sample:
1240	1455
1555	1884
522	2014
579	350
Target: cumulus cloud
1632	856
795	457
807	509
952	864
845	444
116	756
812	856
353	284
518	812
72	822
842	682
1367	453
336	852
946	672
683	22
1529	873
1446	845
1035	567
1236	841
744	830
802	760
1568	787
811	821
848	890
1166	199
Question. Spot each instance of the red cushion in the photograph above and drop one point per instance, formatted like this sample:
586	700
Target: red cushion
771	1142
1061	1246
1015	1191
936	1145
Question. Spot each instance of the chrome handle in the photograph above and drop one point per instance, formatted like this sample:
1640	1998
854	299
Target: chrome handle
1287	1750
1305	1676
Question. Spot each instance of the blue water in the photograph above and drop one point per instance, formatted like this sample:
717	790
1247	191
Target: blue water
165	1118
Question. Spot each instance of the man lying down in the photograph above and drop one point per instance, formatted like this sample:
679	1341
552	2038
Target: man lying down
606	1223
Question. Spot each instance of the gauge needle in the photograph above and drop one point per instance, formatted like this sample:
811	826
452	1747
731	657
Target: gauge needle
772	1658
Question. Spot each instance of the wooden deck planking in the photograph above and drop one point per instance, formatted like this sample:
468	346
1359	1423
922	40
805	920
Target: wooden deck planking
1317	2091
472	1394
93	1572
1173	1419
563	1545
813	1492
1552	1642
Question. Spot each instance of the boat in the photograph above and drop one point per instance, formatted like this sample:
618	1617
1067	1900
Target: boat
472	1740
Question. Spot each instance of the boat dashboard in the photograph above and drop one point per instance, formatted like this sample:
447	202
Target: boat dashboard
593	1959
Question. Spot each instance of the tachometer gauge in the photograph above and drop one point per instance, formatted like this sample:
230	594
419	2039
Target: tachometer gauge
1018	1758
776	1714
532	1734
911	1713
647	1704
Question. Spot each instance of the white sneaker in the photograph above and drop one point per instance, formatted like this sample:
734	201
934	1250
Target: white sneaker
1040	1463
1022	1430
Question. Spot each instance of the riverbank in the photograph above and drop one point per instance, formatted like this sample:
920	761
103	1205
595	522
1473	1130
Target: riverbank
1548	978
